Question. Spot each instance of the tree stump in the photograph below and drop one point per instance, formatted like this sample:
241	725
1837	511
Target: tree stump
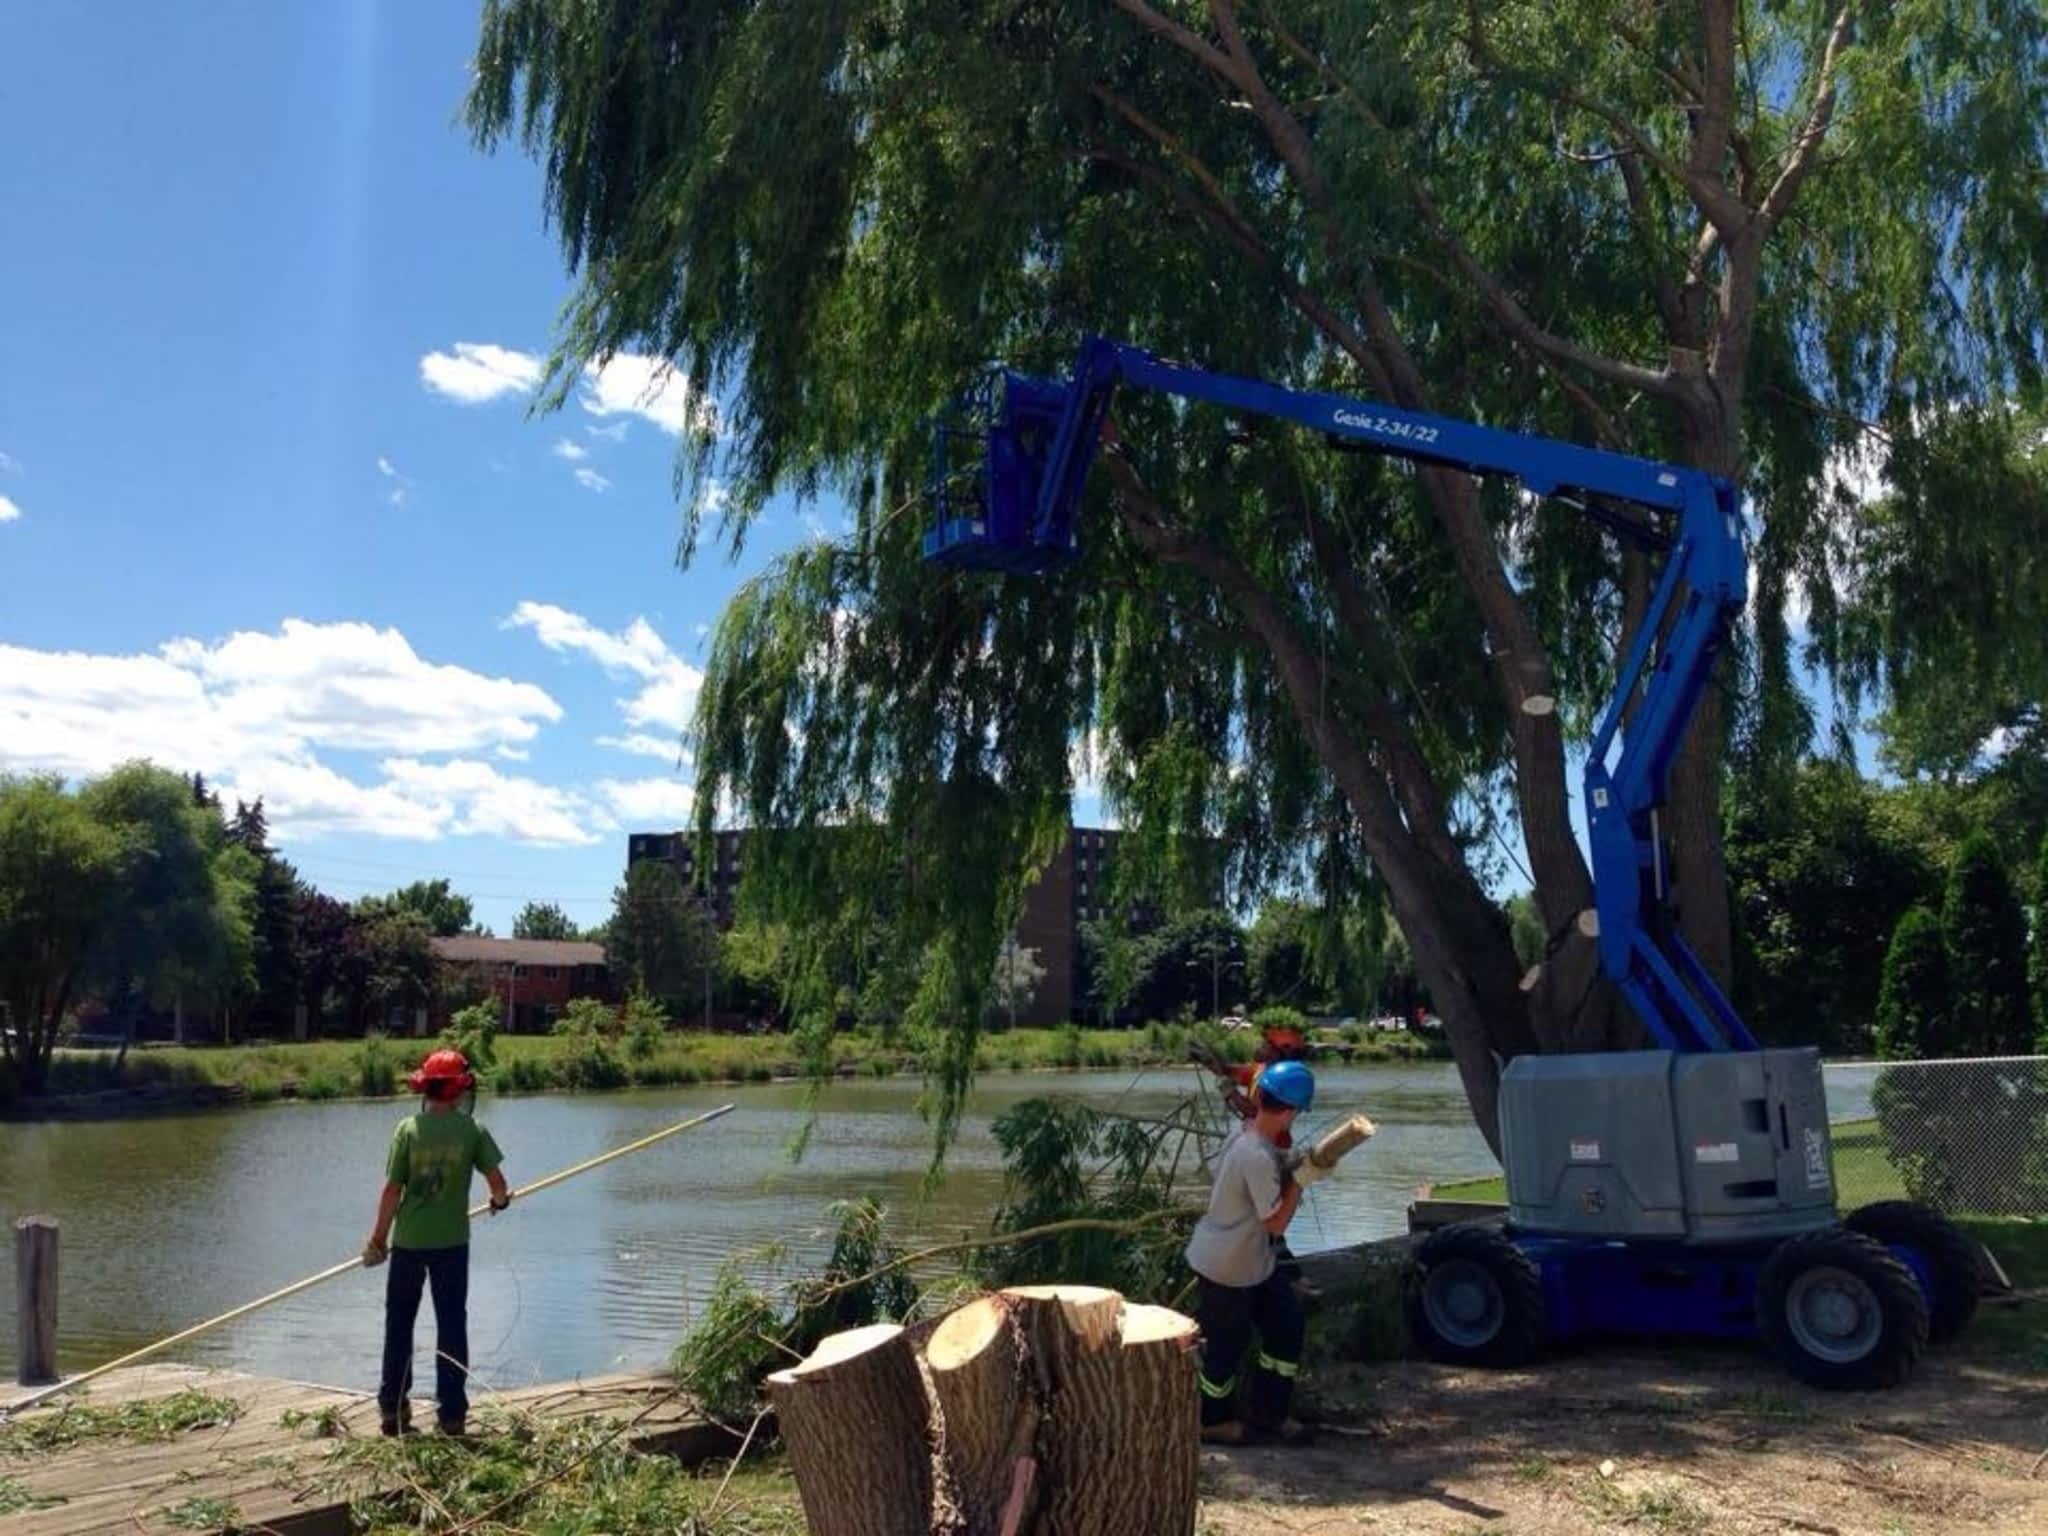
1039	1411
856	1421
1120	1443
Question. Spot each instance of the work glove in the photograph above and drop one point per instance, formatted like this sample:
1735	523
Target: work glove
499	1202
374	1253
1308	1171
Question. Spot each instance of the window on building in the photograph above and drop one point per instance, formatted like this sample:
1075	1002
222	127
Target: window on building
554	973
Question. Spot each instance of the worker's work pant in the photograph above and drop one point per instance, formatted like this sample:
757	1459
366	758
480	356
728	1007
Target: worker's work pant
447	1271
1228	1316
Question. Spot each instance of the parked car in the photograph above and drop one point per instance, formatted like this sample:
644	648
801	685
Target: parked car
1236	1021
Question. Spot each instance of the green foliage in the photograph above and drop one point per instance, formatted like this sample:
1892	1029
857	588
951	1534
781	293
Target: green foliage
2037	950
59	876
591	1060
444	911
1525	923
747	1331
474	1032
16	1496
661	940
562	1477
644	1023
1821	866
542	920
1913	1004
1064	1161
146	1421
201	1514
1281	1018
1935	1125
377	1067
1985	934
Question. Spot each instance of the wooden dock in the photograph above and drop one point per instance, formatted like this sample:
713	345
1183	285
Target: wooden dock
267	1476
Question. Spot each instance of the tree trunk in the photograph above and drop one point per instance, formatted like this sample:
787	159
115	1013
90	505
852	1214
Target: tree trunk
855	1420
1047	1410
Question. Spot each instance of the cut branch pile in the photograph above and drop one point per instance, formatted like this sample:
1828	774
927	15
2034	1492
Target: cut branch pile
1043	1410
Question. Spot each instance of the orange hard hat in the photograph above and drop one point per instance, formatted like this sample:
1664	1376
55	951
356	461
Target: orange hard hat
443	1074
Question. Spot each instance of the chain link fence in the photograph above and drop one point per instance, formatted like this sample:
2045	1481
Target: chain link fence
1968	1137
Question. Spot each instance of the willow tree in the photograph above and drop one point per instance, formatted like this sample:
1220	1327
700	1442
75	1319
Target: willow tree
1730	233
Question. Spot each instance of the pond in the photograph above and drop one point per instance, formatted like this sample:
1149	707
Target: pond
173	1219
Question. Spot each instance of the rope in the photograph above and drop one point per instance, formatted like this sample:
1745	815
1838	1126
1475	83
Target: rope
342	1268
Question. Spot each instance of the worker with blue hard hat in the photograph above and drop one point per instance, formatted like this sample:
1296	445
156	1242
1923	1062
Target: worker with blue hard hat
1240	1289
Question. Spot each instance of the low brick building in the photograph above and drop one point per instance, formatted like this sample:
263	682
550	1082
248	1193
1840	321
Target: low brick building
532	979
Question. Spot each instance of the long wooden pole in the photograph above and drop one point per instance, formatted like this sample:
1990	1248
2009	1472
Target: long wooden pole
343	1268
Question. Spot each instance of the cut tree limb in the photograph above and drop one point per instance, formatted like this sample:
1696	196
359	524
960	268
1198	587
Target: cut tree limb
855	1420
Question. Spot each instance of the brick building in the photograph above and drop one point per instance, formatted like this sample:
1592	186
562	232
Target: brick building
1072	890
532	979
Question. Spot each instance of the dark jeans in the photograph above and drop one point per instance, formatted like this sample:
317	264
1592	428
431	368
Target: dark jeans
447	1271
1228	1316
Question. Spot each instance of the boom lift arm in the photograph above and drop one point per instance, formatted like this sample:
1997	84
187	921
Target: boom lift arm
1017	513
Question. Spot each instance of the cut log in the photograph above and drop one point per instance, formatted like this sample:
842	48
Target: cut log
856	1420
1118	1442
980	1370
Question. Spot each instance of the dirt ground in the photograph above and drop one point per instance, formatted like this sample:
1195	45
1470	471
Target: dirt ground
1668	1440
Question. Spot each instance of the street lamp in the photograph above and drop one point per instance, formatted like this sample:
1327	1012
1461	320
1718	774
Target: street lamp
1217	966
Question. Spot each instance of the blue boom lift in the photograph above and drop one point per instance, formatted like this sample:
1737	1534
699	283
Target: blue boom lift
1686	1189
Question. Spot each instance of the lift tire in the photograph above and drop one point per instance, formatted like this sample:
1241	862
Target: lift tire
1474	1298
1950	1257
1842	1311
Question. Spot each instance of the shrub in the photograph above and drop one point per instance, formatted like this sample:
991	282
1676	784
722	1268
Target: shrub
1280	1017
474	1032
376	1067
1067	1048
645	1024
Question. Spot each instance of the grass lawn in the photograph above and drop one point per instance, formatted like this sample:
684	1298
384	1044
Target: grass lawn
327	1069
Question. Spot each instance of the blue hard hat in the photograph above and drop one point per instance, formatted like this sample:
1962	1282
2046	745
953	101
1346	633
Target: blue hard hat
1289	1083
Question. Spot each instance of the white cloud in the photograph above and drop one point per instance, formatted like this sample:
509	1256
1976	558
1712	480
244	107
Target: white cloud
478	371
566	448
615	433
648	802
471	798
701	629
257	712
512	754
641	744
668	695
591	480
630	383
9	512
9	464
816	525
395	493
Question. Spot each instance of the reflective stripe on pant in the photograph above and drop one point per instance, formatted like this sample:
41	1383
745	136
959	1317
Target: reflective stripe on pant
1228	1316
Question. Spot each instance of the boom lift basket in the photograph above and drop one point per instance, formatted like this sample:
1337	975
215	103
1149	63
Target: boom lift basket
988	467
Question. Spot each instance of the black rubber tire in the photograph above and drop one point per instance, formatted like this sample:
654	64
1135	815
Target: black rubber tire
1951	1258
1517	1292
1900	1322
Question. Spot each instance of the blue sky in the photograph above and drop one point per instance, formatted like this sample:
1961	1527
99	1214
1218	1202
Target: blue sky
274	508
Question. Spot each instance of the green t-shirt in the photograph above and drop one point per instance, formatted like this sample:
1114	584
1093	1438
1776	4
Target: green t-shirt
432	1157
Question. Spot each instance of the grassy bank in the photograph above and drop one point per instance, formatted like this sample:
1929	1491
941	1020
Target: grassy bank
328	1069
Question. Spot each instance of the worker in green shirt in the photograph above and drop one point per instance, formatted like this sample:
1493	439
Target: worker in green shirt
426	1194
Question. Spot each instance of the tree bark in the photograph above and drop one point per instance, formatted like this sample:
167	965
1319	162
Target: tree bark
1040	1411
854	1418
1119	1440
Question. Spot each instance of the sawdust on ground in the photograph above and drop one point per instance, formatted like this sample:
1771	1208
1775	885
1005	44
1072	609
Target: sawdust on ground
1667	1441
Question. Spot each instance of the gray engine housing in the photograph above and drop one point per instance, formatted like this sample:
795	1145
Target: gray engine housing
1694	1147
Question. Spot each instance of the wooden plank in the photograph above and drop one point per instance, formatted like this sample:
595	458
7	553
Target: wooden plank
277	1480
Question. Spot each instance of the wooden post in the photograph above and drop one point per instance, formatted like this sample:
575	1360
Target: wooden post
35	1296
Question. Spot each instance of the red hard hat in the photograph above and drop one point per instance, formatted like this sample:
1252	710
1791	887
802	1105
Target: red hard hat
445	1070
1284	1037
